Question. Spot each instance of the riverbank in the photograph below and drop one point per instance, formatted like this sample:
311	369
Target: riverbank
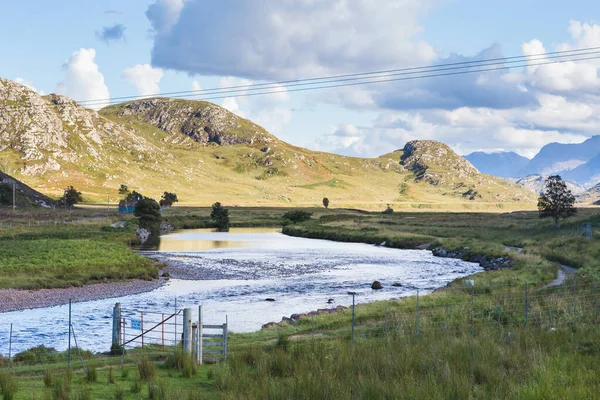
18	299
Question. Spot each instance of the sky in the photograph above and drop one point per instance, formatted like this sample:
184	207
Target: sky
97	50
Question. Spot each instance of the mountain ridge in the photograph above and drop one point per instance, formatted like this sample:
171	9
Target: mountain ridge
205	154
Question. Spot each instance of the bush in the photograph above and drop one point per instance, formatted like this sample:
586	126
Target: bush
220	216
296	216
37	355
148	212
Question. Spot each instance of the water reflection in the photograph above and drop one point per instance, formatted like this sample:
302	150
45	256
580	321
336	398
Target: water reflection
192	240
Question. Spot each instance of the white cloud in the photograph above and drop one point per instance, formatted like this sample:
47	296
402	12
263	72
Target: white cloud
83	81
144	77
273	40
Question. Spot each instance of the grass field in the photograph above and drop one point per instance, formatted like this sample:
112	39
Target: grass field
490	341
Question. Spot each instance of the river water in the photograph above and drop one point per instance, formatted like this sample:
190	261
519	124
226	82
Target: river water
233	273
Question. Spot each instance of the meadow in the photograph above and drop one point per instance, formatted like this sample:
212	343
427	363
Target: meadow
508	336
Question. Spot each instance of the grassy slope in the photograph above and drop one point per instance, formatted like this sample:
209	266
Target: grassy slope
67	248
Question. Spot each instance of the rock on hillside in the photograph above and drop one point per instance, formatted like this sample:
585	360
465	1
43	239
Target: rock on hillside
505	164
201	121
54	135
25	196
435	162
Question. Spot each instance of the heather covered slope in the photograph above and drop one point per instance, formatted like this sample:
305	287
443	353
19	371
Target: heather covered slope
205	153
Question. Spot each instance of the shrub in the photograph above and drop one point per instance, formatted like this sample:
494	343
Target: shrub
296	216
37	355
91	375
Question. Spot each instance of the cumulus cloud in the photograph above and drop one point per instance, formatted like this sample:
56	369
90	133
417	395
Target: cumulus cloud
112	33
83	81
144	77
268	40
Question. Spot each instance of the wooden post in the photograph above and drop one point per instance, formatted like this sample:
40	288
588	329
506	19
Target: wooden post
187	330
417	315
163	331
225	334
116	331
142	321
200	326
194	341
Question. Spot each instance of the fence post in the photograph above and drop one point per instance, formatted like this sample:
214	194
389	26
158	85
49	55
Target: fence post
162	324
69	349
116	331
472	310
200	334
175	338
187	330
142	321
574	299
10	346
225	335
387	338
417	315
313	330
526	305
194	341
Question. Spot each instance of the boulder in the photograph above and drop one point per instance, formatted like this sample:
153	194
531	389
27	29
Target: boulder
376	285
397	284
269	299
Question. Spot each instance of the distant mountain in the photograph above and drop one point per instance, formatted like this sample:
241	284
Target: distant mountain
503	164
24	195
537	184
557	158
587	174
591	196
205	153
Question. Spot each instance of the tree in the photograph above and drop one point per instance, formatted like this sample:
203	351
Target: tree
134	196
388	210
123	190
71	197
220	215
326	202
148	211
557	201
168	199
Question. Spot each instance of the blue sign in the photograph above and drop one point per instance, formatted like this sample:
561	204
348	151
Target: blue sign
136	324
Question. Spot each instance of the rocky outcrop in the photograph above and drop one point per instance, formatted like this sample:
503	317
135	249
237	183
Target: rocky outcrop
203	122
487	263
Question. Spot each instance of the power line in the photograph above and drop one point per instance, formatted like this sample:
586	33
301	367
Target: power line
373	77
364	75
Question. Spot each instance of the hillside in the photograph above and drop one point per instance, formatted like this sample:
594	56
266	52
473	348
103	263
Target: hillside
588	174
204	153
537	184
24	196
506	164
591	196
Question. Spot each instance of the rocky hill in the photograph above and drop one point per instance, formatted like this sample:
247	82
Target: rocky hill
506	164
537	184
204	153
591	196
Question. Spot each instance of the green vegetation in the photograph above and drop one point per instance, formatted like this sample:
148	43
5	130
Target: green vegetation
472	342
168	199
220	217
296	216
557	201
148	212
71	197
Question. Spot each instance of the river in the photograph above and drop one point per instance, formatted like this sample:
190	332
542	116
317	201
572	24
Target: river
233	275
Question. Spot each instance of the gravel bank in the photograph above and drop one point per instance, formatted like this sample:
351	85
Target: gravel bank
14	299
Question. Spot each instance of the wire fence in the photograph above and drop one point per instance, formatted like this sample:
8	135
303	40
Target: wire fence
460	310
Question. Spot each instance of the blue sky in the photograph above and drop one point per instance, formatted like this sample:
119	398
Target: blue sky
176	45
